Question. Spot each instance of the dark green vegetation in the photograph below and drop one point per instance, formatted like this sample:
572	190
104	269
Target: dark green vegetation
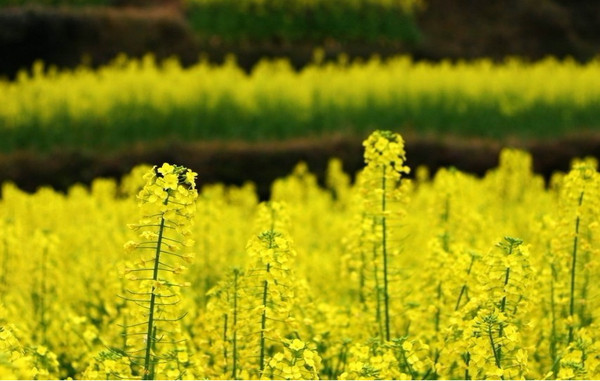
66	36
131	123
9	3
276	20
262	163
296	20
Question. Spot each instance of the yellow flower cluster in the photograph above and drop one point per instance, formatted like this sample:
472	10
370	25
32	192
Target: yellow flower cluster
399	360
386	149
168	206
447	276
383	196
296	362
25	364
256	309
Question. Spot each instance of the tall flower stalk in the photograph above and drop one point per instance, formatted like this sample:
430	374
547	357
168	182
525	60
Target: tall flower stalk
271	253
384	158
257	307
167	203
495	340
573	245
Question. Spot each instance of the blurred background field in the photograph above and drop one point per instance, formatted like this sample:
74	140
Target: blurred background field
92	87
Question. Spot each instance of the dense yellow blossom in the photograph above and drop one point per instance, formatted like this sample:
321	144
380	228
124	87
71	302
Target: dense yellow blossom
487	278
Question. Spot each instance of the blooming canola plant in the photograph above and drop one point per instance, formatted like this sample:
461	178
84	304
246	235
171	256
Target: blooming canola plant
447	276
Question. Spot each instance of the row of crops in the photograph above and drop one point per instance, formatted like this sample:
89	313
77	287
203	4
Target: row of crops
290	20
313	20
141	100
444	277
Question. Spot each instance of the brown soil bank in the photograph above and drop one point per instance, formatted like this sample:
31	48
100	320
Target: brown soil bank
67	37
450	29
261	163
499	28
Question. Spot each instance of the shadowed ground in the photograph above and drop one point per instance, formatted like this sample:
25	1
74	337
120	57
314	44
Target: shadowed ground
261	163
458	29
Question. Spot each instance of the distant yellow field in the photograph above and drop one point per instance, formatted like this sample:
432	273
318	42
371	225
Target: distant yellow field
134	100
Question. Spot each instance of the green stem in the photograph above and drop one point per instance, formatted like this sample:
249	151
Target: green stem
263	322
148	375
386	296
438	309
412	372
506	277
502	308
235	292
3	274
583	320
573	266
124	334
445	217
464	286
503	302
496	357
553	338
377	294
445	238
43	293
467	358
341	363
431	370
378	317
153	363
361	279
460	295
225	318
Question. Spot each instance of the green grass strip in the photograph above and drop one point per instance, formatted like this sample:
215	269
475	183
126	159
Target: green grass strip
301	20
